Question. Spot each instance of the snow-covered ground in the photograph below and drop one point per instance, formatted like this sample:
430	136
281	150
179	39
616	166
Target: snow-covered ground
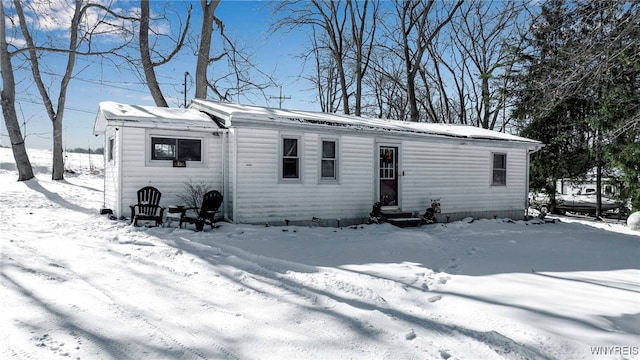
76	284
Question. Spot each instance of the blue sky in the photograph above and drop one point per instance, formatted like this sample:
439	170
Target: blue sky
246	21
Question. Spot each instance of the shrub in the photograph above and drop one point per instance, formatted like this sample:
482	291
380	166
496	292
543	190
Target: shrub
194	192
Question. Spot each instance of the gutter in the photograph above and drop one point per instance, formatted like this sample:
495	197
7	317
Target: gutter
231	163
526	185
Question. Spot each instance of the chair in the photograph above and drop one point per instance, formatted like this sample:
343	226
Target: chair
211	202
148	206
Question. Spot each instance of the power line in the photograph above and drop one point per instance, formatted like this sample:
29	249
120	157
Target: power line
109	83
66	107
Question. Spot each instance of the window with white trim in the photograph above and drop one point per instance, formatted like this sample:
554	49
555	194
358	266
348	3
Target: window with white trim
329	160
166	148
499	174
290	158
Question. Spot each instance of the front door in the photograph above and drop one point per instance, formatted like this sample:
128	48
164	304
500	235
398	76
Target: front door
388	175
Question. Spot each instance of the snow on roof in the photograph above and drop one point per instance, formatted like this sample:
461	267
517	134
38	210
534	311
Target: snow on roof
257	113
150	116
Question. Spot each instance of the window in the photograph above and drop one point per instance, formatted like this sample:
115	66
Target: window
176	149
328	163
499	169
110	150
290	159
388	162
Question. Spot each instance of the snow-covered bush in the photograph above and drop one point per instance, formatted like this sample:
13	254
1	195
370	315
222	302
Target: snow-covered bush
633	221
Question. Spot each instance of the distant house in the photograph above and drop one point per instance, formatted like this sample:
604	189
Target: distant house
276	166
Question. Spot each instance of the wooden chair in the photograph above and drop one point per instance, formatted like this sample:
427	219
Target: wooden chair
211	202
148	206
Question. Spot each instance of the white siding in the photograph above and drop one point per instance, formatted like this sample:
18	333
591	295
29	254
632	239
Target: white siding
455	171
138	171
262	197
460	176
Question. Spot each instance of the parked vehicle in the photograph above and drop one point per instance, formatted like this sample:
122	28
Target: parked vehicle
576	203
539	201
586	203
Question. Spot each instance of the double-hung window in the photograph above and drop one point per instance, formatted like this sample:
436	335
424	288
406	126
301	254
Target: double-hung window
329	161
499	175
165	148
290	158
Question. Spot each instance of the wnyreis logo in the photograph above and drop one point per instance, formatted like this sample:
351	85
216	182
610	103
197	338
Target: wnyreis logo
615	350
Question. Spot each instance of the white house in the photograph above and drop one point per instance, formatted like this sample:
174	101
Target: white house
276	166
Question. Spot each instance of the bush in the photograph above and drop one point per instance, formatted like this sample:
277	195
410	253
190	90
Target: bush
194	192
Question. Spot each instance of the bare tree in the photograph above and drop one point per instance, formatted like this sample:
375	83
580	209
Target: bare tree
235	71
486	36
8	98
330	20
148	64
55	113
364	17
386	86
325	78
419	23
343	36
79	33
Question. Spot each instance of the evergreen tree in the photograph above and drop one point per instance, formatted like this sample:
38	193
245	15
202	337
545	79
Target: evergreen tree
578	91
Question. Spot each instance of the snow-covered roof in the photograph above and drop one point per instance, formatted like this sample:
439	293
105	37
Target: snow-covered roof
150	116
231	113
196	118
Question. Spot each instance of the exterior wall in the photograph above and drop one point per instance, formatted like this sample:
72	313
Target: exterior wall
244	166
262	198
460	176
139	171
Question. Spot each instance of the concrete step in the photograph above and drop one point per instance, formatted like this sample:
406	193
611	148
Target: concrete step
395	214
405	221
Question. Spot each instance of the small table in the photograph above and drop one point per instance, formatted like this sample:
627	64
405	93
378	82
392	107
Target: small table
174	212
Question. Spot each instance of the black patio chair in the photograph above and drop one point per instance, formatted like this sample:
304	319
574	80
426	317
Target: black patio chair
148	207
205	214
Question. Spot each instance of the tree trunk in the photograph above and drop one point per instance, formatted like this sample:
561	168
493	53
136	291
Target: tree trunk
206	32
55	114
8	97
145	57
598	174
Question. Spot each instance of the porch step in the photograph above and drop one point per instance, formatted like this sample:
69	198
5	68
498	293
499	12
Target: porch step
395	214
401	218
404	222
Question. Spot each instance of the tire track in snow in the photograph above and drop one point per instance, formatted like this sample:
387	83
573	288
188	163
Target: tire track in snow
121	314
98	337
302	280
282	274
262	276
170	318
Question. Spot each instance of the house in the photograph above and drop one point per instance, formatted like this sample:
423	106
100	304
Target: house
285	166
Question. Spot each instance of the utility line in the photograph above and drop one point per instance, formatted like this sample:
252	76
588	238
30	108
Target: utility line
66	107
